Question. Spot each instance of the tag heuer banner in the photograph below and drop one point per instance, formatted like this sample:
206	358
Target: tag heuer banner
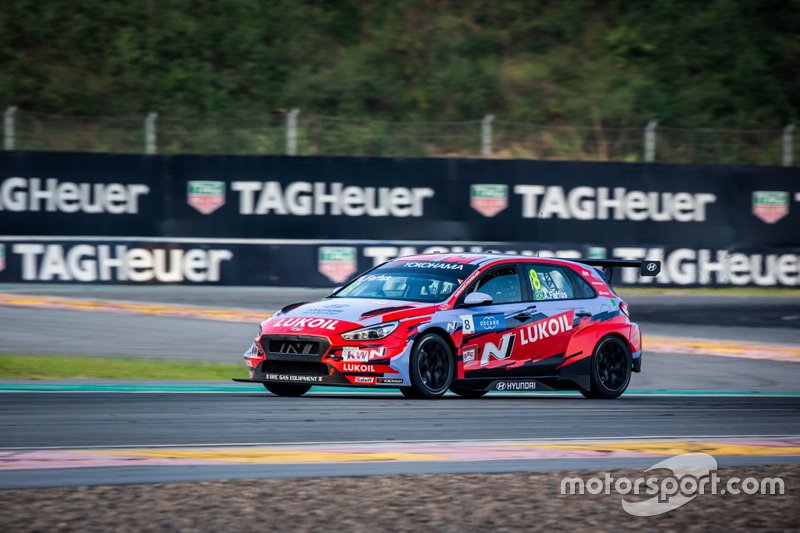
359	198
327	264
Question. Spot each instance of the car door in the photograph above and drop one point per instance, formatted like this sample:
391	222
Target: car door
489	341
564	306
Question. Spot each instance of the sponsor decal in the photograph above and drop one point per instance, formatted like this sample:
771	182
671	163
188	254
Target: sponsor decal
503	351
337	263
770	206
603	203
206	196
34	194
516	385
356	354
390	381
331	309
298	324
364	380
353	367
543	329
2	257
433	264
452	326
488	200
302	198
291	377
469	353
105	262
479	323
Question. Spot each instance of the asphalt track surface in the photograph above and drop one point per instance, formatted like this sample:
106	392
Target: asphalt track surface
691	407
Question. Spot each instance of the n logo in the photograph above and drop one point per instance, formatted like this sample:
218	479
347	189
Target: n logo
503	351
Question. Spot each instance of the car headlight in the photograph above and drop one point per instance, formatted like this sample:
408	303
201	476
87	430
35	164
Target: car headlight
371	333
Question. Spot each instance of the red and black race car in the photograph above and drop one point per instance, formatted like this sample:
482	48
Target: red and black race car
469	323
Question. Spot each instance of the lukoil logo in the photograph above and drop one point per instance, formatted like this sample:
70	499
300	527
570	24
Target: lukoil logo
206	196
488	200
691	474
337	263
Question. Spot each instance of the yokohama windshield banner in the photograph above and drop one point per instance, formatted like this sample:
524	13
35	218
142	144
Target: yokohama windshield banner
331	263
246	197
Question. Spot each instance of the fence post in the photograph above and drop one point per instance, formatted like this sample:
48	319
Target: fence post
291	131
788	139
8	127
486	136
150	133
650	141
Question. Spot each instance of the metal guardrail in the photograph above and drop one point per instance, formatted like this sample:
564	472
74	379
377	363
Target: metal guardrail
296	133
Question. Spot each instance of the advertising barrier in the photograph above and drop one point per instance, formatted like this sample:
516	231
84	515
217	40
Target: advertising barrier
410	199
328	264
259	220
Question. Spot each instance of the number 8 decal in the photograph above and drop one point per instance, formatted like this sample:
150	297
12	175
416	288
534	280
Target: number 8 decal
535	283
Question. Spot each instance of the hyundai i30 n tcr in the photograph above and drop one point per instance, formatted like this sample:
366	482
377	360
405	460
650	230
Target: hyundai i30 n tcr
468	323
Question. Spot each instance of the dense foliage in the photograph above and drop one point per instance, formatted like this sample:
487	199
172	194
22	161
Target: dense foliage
722	63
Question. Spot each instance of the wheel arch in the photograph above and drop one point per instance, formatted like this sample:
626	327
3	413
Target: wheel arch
444	335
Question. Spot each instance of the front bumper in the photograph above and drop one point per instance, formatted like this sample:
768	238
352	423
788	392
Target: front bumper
312	360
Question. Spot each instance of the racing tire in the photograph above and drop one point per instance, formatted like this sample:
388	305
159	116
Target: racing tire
285	389
431	369
610	370
467	393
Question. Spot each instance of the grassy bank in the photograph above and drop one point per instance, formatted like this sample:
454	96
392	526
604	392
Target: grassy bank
75	367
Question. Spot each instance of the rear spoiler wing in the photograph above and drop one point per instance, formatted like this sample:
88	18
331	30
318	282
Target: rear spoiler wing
646	268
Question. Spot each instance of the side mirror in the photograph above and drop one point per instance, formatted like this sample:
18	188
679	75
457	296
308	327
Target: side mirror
477	298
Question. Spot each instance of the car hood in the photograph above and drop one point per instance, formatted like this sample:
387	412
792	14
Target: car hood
337	315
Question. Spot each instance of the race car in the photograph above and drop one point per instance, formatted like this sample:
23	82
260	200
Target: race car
468	323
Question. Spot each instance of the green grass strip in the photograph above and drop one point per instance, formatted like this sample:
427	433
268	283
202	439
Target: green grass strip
69	367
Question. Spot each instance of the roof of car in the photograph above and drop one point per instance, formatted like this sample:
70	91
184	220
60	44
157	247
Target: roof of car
477	258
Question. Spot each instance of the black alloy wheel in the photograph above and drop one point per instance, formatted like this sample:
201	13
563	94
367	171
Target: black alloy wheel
611	368
431	368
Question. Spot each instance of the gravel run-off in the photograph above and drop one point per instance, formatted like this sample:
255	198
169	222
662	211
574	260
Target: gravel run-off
465	502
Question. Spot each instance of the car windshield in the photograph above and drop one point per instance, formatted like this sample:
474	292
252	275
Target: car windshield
415	281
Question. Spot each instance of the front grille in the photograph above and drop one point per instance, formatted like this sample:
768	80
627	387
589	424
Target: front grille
294	368
294	347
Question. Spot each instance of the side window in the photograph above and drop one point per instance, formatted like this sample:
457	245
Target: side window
580	286
502	285
549	282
